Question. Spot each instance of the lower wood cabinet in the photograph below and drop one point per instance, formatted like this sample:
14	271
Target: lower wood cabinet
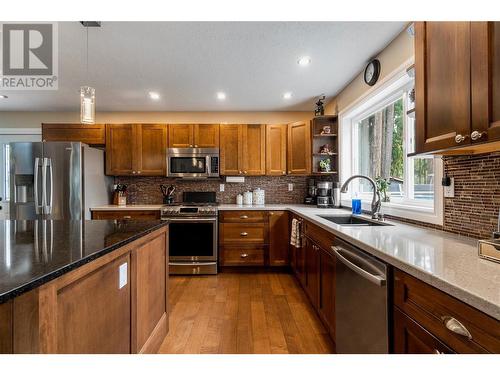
457	325
312	272
94	308
253	238
327	290
126	214
411	338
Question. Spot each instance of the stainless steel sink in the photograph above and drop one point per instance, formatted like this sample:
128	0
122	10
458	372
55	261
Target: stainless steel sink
353	221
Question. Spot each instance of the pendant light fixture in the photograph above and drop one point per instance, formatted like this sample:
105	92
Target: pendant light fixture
87	93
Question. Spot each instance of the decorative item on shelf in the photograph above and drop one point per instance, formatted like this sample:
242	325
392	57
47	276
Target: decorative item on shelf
320	109
259	197
247	198
120	195
325	150
325	165
383	187
327	129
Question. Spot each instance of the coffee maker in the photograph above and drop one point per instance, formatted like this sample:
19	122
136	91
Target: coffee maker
311	192
324	194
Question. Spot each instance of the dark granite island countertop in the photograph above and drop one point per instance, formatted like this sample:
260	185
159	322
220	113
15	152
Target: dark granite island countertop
35	252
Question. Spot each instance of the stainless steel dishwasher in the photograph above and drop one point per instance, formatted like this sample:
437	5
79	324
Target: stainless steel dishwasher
361	305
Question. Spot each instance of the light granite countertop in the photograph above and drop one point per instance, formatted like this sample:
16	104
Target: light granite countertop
445	260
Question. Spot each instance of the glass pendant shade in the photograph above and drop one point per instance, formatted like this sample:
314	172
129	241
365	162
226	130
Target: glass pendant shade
87	105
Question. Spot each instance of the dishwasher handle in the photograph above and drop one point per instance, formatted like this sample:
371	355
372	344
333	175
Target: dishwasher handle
377	279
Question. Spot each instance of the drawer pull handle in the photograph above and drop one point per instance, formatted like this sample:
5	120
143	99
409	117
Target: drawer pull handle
477	135
244	255
243	217
459	138
437	351
455	326
127	217
243	234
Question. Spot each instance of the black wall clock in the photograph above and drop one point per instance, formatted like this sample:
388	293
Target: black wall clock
372	72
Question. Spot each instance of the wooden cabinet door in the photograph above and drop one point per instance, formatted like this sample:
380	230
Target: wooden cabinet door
206	135
485	76
442	85
300	261
231	149
120	149
94	134
278	238
254	150
151	149
149	295
94	307
299	148
276	150
312	272
327	290
180	135
411	338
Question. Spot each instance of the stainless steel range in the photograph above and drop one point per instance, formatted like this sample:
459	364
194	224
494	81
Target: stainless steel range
192	234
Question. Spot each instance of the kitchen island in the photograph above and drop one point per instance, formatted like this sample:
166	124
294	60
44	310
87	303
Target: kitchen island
83	286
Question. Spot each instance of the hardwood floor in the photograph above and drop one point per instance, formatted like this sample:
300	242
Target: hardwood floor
242	313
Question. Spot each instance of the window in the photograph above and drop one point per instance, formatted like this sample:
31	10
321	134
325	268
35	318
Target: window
377	134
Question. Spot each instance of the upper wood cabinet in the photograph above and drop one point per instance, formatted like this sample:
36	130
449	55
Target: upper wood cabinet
299	148
193	135
91	134
485	75
276	150
457	70
136	149
242	149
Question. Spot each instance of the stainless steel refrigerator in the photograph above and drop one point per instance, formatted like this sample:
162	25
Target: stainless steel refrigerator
56	180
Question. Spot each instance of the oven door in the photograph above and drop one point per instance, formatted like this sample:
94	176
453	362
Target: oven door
192	239
197	166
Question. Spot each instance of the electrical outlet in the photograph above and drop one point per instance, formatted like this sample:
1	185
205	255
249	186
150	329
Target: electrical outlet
449	191
221	187
290	187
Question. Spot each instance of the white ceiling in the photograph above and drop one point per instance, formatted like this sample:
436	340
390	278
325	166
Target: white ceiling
254	63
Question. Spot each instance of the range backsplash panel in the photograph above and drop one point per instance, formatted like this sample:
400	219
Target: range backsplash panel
146	190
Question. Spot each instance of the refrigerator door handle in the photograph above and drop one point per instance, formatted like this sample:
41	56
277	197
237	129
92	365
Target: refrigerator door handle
36	171
51	180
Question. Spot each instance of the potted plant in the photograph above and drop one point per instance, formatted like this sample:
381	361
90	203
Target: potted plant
325	165
383	187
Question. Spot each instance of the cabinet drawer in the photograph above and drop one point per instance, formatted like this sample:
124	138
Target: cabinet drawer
434	310
126	215
243	233
322	237
242	256
243	216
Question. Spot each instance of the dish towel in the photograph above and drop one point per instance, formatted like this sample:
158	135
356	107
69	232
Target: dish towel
295	236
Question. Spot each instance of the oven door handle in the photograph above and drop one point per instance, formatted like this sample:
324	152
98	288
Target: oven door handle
190	219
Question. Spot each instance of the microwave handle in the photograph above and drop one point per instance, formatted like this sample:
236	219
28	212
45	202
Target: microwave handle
209	165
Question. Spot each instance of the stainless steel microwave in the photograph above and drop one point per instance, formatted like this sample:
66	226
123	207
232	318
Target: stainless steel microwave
193	162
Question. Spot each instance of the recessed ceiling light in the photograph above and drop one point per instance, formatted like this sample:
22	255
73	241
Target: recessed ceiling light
304	61
3	96
287	95
221	95
154	95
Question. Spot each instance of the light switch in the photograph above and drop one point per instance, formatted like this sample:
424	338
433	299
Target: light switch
122	275
290	187
221	187
449	191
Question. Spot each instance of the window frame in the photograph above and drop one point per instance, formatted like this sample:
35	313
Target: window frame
391	89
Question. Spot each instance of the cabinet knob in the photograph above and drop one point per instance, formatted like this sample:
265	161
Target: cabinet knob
190	145
437	351
456	326
127	217
240	172
138	172
475	135
244	255
284	172
133	172
243	234
459	138
243	217
289	172
244	172
195	145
